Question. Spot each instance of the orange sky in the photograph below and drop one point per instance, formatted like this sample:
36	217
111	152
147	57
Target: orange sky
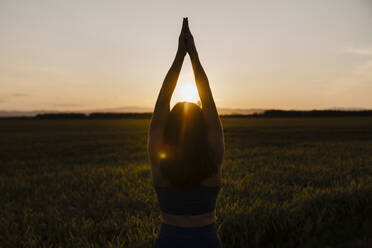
291	54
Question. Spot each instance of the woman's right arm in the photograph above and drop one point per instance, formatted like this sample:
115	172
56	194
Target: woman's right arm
162	106
215	132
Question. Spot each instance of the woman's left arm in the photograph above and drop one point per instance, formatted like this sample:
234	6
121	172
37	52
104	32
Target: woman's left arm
214	126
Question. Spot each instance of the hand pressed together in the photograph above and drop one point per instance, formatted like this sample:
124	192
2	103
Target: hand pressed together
186	42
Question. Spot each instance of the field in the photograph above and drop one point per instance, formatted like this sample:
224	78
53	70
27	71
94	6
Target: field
86	183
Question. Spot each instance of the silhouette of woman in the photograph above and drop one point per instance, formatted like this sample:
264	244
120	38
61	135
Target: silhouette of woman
186	147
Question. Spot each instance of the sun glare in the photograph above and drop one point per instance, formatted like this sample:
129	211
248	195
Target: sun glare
185	90
188	93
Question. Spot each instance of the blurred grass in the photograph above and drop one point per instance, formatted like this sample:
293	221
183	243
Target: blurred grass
86	183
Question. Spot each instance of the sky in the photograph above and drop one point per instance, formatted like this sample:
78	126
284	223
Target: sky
288	54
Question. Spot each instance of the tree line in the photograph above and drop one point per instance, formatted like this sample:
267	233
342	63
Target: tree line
265	114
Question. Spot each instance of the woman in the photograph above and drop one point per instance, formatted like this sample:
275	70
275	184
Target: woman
186	149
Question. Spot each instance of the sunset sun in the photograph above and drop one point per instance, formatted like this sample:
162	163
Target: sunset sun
186	90
188	93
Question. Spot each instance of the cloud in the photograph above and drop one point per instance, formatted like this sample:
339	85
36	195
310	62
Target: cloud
68	105
355	85
3	98
360	51
9	96
19	95
361	73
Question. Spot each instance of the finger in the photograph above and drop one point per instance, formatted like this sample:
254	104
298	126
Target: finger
184	24
187	25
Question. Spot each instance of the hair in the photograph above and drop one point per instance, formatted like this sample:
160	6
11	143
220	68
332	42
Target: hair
186	159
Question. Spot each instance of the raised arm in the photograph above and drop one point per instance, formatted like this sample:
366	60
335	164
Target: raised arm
215	133
162	106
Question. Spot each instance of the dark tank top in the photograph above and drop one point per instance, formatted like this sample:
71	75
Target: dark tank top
187	201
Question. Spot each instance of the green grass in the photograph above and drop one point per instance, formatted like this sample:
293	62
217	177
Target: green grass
86	183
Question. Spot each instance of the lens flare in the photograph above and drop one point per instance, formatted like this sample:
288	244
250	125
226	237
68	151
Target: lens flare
162	155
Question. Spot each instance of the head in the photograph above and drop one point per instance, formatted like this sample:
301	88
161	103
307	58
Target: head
185	159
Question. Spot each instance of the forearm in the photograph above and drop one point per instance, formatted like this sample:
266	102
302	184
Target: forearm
202	82
215	133
170	81
162	105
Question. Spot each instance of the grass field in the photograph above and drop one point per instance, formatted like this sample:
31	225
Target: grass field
86	183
